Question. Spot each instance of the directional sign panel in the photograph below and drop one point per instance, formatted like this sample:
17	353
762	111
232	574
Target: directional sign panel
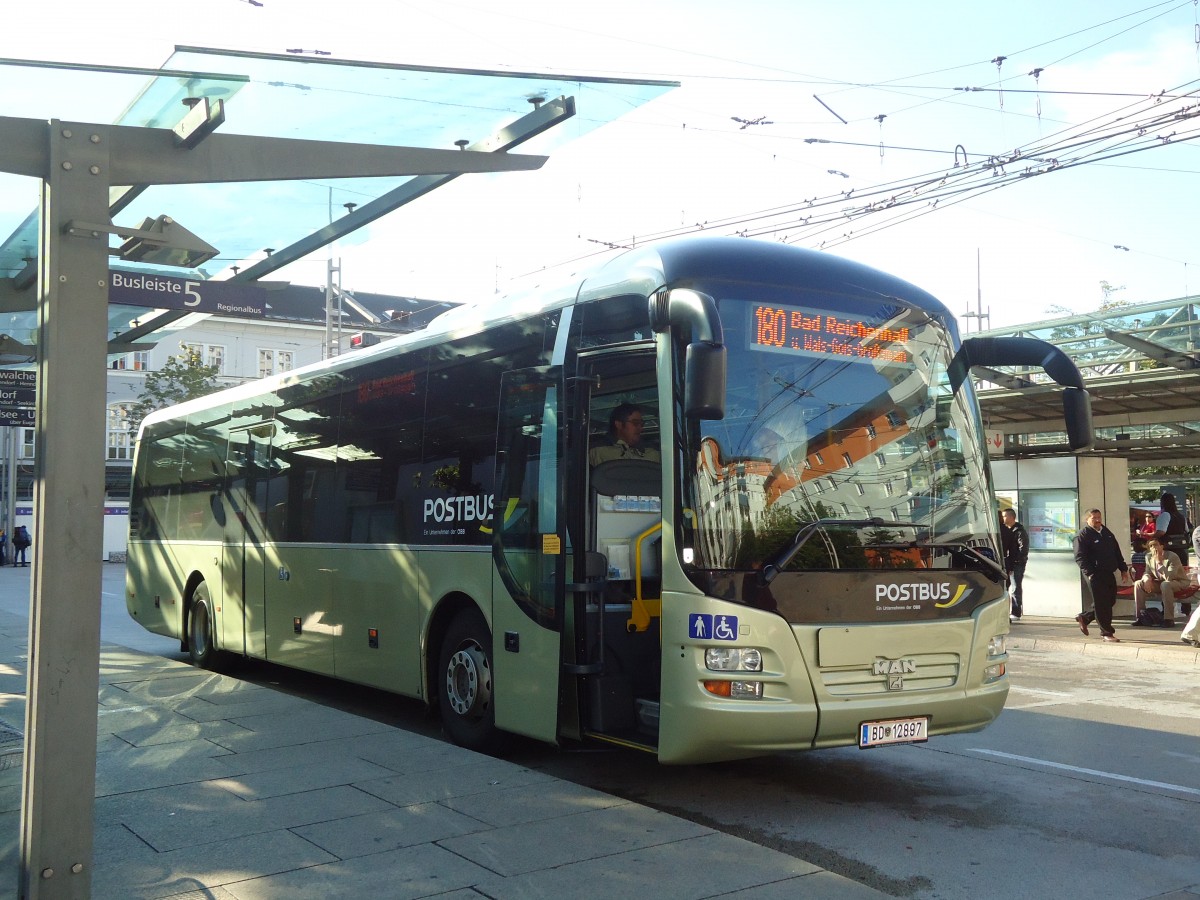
18	378
18	393
223	298
15	416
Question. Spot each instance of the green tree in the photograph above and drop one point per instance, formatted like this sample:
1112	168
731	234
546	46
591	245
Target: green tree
182	378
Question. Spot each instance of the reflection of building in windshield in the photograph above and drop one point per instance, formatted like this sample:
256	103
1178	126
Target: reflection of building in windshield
837	440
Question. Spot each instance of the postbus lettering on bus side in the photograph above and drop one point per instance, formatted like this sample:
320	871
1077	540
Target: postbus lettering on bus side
467	508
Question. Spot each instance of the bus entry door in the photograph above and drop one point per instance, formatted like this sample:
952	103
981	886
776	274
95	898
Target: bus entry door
529	550
240	623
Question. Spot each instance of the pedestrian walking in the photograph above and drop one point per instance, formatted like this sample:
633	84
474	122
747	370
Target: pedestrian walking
1016	555
1099	556
1191	631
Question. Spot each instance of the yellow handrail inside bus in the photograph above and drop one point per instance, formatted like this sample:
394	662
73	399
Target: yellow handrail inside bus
643	610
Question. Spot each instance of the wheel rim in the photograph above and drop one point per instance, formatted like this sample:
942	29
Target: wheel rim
199	635
469	681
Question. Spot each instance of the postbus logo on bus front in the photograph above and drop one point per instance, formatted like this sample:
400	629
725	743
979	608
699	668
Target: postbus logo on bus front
914	594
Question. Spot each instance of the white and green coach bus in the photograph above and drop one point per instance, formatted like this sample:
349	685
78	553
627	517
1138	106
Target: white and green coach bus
801	553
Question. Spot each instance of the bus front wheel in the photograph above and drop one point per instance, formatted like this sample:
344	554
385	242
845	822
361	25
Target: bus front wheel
201	647
465	690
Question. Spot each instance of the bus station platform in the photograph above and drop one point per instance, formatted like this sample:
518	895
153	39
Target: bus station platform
210	787
1157	645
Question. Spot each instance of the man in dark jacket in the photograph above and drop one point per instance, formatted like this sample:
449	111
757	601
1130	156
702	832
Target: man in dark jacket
1099	555
1016	555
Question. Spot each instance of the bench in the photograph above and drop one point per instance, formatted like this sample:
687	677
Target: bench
1181	596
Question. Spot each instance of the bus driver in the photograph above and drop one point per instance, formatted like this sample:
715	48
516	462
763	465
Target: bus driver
624	441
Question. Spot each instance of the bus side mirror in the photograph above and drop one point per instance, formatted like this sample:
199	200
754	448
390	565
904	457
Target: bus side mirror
1023	351
1077	409
704	381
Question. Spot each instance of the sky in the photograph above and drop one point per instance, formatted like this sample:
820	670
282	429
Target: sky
852	104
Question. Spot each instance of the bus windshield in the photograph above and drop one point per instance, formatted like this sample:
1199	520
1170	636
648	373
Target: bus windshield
843	444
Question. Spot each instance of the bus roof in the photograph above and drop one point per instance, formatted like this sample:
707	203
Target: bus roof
642	270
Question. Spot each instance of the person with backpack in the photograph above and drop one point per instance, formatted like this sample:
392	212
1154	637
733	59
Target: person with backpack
1171	527
20	541
1172	530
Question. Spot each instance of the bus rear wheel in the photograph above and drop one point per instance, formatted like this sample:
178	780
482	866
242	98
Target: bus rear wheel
201	646
465	689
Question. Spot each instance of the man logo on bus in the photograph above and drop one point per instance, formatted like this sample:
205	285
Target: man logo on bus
942	594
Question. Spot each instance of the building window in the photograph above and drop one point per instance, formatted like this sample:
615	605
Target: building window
120	439
871	432
25	451
847	460
881	460
272	362
208	354
859	489
138	361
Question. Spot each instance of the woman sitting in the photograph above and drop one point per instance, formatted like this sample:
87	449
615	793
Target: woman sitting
1164	577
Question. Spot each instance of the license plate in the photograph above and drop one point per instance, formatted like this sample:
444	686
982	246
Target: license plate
894	731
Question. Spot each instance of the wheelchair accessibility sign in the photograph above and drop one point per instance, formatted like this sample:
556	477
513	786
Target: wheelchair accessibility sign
702	626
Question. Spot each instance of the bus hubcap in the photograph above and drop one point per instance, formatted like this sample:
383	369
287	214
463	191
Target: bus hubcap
468	681
199	628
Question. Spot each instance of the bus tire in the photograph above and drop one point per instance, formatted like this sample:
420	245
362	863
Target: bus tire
465	686
201	646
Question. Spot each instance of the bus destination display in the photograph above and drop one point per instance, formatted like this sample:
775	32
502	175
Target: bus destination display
808	332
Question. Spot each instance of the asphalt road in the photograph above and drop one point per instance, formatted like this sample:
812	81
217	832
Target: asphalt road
1087	785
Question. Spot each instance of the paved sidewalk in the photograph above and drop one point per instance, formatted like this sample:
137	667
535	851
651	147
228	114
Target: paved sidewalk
208	787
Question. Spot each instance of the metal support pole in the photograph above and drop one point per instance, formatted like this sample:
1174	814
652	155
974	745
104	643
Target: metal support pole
59	783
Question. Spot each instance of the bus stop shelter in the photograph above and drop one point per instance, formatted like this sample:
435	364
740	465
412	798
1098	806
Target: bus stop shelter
214	150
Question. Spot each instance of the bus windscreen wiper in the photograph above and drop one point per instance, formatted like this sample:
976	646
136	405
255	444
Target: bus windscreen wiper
772	567
997	572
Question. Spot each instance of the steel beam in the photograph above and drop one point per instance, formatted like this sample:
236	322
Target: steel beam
528	126
1153	350
59	778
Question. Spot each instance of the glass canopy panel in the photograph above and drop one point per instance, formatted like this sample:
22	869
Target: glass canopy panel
286	96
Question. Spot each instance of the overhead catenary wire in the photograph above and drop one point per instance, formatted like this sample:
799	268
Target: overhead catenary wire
1137	128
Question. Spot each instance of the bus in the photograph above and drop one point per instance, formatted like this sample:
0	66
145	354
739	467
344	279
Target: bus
802	553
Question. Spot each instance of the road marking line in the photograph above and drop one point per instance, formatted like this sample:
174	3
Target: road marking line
1027	690
1082	771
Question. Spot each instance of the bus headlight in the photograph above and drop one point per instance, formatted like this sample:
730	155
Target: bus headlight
733	659
996	648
